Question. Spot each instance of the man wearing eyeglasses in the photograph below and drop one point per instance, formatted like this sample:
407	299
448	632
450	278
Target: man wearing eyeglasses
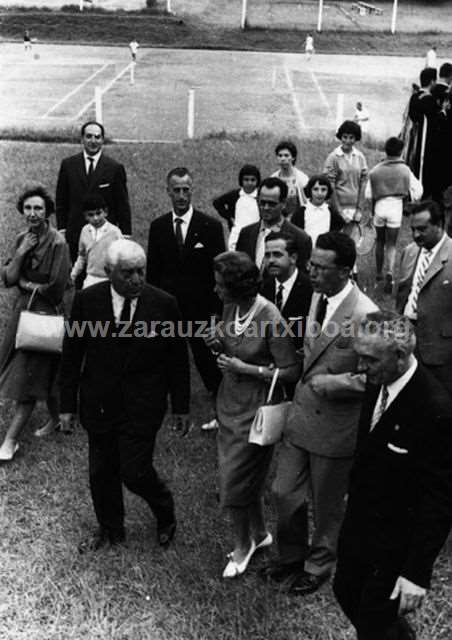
320	435
89	173
271	198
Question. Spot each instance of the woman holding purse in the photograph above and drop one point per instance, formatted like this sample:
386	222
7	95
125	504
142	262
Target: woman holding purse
39	266
250	342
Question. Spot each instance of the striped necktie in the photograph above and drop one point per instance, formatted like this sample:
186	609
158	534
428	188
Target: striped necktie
279	297
424	263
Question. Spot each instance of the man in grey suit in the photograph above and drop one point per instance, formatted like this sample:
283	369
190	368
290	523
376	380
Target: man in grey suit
320	435
424	292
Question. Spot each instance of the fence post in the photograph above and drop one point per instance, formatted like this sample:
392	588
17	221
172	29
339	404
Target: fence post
98	103
191	114
132	72
244	12
394	17
320	16
339	110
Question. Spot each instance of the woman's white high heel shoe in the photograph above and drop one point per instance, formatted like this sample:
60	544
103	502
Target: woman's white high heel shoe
233	568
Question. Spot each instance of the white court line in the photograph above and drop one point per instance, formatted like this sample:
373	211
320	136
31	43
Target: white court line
74	91
322	95
296	105
104	90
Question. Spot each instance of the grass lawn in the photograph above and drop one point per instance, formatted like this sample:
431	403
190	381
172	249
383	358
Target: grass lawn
48	591
273	27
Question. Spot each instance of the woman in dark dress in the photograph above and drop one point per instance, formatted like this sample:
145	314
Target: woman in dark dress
40	264
251	341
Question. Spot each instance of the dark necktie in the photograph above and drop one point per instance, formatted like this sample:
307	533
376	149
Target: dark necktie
179	236
321	310
381	408
126	309
279	298
90	168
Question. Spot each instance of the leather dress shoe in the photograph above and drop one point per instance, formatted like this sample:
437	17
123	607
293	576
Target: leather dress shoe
102	538
306	583
279	572
166	534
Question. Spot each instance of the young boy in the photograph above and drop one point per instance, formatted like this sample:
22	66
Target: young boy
391	182
95	238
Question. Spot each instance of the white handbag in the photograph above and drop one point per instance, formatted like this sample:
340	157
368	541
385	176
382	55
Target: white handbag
38	331
270	419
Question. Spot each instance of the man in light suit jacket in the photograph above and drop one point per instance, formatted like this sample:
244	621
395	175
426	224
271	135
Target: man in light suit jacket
181	247
399	508
424	291
272	195
320	435
88	173
124	373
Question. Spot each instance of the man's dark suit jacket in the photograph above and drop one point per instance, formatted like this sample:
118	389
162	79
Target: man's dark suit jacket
297	304
117	374
225	205
186	274
248	237
400	497
108	180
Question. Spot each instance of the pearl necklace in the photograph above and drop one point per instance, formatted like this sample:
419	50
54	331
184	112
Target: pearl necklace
241	323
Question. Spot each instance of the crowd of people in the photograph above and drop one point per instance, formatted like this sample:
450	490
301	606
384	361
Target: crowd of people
370	389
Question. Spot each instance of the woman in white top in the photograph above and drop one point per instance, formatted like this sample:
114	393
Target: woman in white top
239	206
318	216
296	180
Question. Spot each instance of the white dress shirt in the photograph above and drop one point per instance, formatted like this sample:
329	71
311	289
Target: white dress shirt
335	301
317	220
394	389
117	302
95	157
186	219
287	286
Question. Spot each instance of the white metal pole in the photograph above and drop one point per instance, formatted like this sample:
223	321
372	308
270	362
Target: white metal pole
273	78
394	17
132	73
320	16
339	110
191	114
168	6
244	12
98	103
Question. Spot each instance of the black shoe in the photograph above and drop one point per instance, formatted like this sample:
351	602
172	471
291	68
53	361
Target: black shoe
166	534
306	583
102	538
279	572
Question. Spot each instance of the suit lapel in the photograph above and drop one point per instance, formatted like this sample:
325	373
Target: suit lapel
437	264
193	231
81	170
343	313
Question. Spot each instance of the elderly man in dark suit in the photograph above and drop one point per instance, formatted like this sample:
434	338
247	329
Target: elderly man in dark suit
320	435
124	360
272	195
181	247
88	173
399	509
424	292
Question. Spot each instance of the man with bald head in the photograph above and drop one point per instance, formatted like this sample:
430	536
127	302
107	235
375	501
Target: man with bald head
122	356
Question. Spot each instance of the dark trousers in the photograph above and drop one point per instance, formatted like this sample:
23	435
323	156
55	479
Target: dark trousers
118	457
362	589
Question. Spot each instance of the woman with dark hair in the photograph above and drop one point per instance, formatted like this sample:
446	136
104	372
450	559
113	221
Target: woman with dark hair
318	216
251	341
39	267
239	206
286	156
346	169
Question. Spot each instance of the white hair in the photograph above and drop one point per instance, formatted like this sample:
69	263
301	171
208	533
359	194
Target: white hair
123	250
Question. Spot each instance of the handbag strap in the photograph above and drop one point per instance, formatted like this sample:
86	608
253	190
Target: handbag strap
31	298
272	386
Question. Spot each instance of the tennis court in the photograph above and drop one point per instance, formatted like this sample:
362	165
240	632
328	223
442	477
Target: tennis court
233	91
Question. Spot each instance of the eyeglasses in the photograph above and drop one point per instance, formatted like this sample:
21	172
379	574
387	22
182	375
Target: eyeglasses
313	266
